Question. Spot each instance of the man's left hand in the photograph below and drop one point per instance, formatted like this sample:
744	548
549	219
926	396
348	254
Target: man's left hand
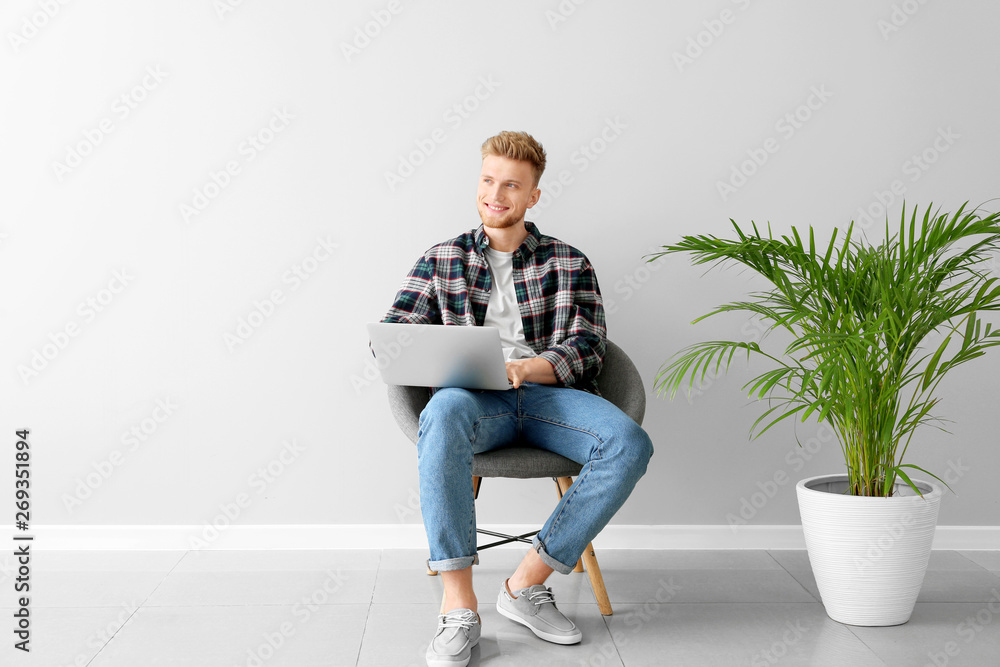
535	369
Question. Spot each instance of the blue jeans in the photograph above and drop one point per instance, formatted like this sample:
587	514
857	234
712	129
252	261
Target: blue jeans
588	429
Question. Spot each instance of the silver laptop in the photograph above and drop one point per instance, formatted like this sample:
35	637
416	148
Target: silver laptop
435	355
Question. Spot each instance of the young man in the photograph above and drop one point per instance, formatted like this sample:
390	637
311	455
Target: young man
543	296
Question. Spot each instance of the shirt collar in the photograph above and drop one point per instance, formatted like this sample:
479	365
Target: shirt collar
524	250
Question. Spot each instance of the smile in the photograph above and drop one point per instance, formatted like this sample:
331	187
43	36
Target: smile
496	208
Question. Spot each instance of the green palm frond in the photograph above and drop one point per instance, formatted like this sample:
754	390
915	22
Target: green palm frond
859	316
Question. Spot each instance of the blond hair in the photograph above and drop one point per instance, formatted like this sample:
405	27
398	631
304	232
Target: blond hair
517	146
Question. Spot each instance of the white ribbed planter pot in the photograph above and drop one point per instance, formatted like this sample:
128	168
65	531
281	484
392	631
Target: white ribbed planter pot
868	554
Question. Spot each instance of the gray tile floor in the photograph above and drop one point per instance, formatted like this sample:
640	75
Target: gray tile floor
378	608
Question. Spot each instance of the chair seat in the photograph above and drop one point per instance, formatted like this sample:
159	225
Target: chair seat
523	462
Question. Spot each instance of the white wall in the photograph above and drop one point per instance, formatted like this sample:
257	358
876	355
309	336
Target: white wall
222	75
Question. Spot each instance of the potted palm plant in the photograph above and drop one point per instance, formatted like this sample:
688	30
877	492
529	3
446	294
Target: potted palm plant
866	357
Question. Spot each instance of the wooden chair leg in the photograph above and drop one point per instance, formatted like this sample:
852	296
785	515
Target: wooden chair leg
563	484
432	572
596	580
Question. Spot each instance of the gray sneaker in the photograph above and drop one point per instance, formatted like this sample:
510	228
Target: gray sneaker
535	608
458	631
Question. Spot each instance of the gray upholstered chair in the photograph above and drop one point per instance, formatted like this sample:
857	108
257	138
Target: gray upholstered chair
619	382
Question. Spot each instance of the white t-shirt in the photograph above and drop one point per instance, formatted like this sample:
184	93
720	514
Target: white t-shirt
502	311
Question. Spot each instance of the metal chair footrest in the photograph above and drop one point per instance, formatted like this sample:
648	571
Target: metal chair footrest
507	538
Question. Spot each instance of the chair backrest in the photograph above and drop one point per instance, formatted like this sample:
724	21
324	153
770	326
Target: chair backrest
619	382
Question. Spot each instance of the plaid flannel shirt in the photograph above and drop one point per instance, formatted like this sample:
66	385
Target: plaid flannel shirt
557	293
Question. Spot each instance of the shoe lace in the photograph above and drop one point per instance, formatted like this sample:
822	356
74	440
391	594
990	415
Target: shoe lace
464	620
542	596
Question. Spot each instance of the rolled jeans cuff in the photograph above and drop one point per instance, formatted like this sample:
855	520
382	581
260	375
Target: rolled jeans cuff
561	568
449	564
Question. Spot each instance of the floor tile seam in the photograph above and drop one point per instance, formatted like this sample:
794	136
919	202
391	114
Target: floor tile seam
165	571
641	602
491	604
378	570
310	568
981	567
384	604
181	559
242	604
731	603
159	583
271	570
674	570
317	572
114	634
76	606
275	605
864	643
611	635
364	632
594	605
792	574
776	561
193	606
485	571
974	603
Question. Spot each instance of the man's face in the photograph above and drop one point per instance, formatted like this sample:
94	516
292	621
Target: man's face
506	191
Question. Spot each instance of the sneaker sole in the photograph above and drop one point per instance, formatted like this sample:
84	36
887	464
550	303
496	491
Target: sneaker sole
443	662
555	639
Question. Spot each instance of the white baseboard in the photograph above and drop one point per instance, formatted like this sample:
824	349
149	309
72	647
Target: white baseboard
412	536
